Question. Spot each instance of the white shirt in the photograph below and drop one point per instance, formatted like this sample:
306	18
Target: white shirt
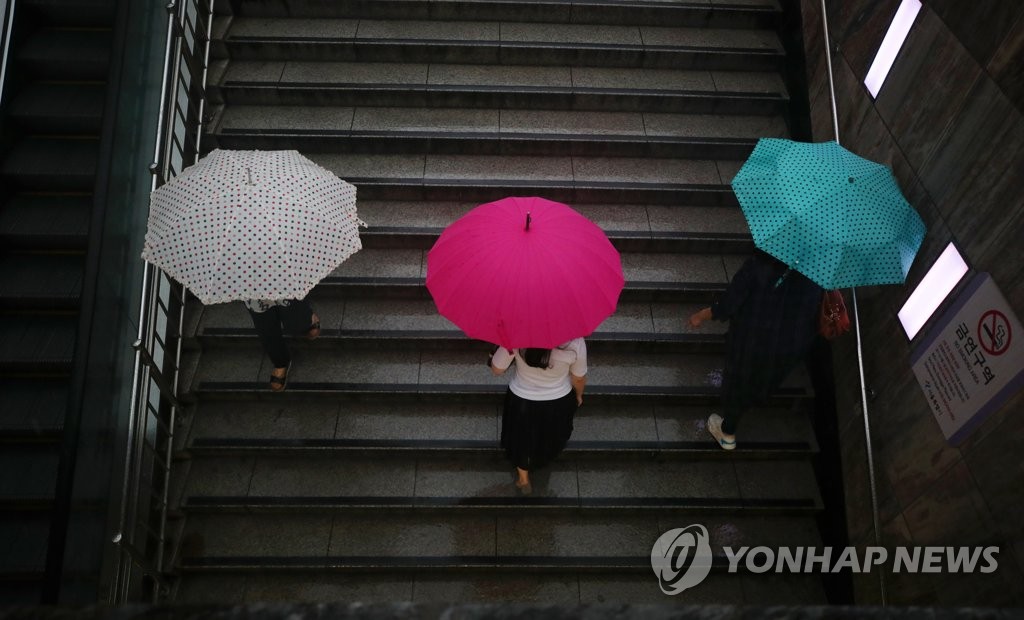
545	383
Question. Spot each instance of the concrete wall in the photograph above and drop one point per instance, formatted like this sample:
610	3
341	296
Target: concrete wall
950	122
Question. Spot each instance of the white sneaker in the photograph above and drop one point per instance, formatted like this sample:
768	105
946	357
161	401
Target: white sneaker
727	442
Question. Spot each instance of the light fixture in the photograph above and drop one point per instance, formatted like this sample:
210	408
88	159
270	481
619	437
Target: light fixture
891	45
947	270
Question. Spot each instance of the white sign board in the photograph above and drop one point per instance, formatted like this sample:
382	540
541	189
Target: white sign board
972	361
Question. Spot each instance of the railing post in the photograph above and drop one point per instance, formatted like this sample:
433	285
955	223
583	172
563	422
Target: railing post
140	560
156	374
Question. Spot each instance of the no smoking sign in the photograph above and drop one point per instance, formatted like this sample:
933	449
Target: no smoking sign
966	375
994	332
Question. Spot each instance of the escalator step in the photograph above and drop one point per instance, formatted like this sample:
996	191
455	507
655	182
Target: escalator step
40	282
53	163
59	108
45	222
33	408
66	54
37	344
72	12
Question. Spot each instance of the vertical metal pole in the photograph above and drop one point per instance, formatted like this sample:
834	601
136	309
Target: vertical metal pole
856	327
7	32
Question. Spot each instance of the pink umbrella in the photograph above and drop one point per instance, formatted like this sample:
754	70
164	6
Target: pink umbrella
524	272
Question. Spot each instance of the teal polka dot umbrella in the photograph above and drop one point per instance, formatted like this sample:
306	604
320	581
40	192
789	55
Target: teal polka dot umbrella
835	217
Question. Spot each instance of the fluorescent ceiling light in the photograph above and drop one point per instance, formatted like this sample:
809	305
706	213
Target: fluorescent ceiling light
891	45
947	270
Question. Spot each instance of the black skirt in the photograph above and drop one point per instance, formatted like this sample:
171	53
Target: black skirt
534	432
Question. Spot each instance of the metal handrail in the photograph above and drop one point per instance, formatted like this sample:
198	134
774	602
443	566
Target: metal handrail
856	328
6	32
140	535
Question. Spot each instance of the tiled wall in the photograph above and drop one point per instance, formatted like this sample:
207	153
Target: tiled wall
950	122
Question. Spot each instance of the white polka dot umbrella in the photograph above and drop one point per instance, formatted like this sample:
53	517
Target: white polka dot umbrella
252	225
835	217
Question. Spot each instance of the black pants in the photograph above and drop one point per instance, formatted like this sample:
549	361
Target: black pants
295	318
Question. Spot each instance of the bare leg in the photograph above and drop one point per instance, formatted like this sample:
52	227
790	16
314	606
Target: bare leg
523	481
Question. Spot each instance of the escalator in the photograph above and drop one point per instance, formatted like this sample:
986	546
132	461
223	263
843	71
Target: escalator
50	148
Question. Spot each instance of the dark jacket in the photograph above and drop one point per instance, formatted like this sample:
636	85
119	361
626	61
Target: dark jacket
772	313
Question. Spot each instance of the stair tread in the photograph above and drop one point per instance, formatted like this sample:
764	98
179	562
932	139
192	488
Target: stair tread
502	77
615	219
551	587
512	170
472	538
386	121
648	269
484	480
343	319
459	371
505	32
742	13
318	425
665	268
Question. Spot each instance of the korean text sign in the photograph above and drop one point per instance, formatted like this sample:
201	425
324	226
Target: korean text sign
972	361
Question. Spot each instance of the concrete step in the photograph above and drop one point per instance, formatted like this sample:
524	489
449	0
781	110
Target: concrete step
351	483
502	42
404	324
572	180
690	278
473	543
499	86
477	131
631	228
511	586
221	428
745	14
662	378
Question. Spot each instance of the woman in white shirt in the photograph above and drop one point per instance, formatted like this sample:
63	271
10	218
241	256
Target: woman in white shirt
541	401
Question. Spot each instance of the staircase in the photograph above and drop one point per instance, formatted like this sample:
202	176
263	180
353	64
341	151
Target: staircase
376	475
53	104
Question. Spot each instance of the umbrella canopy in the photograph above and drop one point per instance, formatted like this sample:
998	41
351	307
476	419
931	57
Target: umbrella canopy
835	217
524	272
252	225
